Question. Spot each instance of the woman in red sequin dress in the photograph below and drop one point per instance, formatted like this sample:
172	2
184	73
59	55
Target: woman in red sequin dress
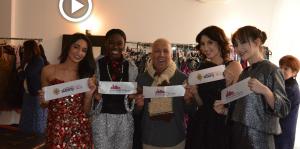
68	126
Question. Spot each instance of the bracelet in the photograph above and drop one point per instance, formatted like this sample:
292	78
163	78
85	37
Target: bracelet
129	109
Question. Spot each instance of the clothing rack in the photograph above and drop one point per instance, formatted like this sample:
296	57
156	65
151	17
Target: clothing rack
173	44
38	39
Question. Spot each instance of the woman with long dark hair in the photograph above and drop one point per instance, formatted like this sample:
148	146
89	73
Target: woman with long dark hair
68	125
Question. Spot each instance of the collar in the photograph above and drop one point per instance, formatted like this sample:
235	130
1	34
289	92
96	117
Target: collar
164	76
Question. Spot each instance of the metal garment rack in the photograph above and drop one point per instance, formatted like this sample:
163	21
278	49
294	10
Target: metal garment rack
38	39
149	44
174	45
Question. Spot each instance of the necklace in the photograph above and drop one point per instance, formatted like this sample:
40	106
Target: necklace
128	109
110	75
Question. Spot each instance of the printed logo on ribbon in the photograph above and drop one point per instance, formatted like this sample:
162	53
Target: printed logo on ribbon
165	91
236	91
199	77
233	94
229	93
66	89
206	75
159	92
117	88
56	91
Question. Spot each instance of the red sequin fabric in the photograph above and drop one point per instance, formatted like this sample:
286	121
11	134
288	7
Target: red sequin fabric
68	127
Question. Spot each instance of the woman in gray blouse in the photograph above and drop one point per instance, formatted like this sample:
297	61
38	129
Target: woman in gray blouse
255	117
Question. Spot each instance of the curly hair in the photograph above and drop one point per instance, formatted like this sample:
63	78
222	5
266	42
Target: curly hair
216	34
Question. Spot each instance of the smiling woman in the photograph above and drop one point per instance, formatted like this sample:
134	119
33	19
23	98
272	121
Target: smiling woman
207	127
68	124
255	119
112	110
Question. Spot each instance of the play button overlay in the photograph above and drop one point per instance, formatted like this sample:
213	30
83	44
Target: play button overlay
75	5
75	10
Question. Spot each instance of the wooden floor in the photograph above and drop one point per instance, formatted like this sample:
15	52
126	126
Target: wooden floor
12	138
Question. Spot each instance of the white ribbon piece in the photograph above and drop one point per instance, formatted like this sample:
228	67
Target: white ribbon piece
163	91
236	91
117	88
206	75
66	89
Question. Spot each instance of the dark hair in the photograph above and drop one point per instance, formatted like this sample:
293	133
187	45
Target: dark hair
86	66
46	62
290	61
215	33
115	31
31	51
247	34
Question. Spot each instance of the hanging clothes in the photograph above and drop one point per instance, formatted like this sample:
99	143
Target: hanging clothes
10	89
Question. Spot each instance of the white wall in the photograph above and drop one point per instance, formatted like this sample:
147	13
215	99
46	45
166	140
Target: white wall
41	19
285	30
142	20
5	18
